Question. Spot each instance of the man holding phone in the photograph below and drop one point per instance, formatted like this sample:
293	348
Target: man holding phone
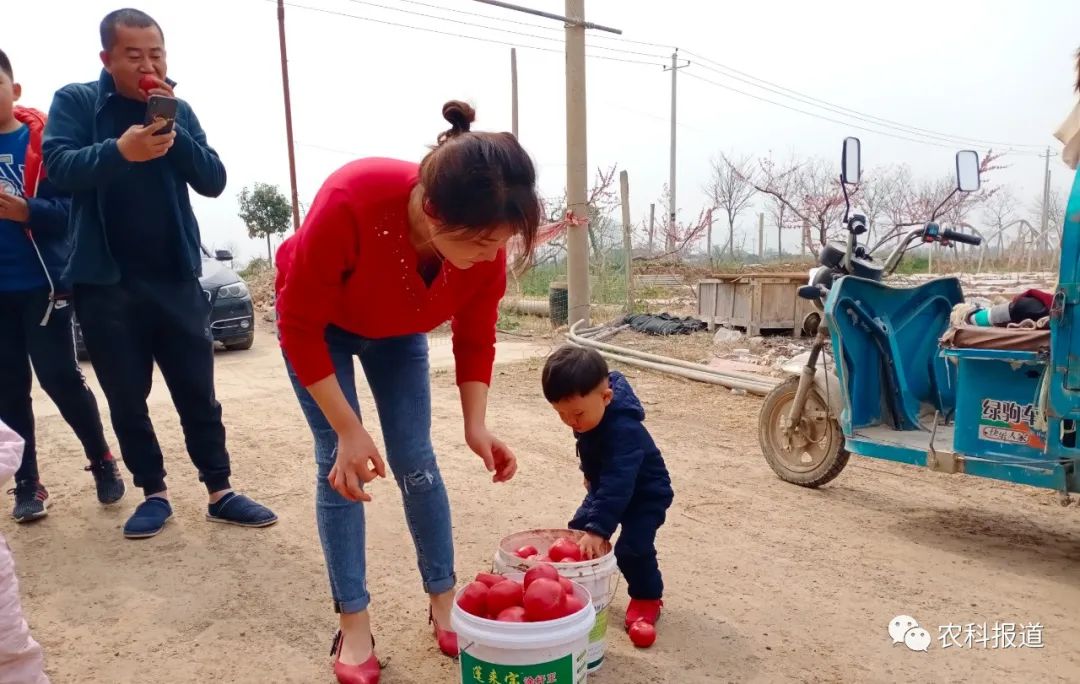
136	263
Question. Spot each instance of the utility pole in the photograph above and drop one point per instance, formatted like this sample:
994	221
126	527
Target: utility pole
514	92
577	169
288	115
761	235
628	247
708	239
1044	223
652	226
674	69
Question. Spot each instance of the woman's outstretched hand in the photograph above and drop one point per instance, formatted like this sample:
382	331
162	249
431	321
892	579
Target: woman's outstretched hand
358	462
497	456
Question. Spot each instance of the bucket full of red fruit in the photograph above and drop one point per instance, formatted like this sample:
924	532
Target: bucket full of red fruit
522	551
530	628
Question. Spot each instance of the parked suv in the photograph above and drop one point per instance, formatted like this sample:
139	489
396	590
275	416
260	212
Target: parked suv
232	316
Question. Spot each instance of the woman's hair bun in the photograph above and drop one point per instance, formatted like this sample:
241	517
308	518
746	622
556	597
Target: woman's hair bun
460	115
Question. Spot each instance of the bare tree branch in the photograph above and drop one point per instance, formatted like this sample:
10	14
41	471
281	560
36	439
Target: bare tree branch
731	188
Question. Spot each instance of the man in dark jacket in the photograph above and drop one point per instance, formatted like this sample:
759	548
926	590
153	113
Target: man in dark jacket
35	308
135	262
627	481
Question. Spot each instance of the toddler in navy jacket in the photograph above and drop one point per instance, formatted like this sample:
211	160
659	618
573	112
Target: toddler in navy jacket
628	484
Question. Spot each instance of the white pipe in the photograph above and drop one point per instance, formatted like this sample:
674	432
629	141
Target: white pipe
604	334
667	360
711	378
528	307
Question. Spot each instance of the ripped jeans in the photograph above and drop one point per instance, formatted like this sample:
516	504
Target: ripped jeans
397	372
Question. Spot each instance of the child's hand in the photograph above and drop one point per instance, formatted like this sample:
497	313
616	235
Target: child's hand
593	546
14	208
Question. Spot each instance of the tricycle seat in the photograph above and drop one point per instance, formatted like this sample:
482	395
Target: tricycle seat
885	342
1004	339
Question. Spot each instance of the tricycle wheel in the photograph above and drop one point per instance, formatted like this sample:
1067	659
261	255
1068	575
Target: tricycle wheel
809	454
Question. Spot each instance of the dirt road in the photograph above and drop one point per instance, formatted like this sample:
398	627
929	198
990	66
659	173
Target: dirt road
765	582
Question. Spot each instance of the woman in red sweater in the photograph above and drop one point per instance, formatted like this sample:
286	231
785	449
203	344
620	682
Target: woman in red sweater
389	251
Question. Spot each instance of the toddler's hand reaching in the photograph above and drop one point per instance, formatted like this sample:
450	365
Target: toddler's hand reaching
593	546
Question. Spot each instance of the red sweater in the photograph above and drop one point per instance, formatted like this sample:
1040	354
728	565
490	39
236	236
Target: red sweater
351	265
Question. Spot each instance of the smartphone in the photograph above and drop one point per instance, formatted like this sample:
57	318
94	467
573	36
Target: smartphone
161	107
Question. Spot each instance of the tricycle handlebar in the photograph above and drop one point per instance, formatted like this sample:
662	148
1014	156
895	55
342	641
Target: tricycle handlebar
956	236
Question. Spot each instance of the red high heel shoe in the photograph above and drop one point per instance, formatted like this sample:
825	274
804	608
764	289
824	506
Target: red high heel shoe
446	639
367	672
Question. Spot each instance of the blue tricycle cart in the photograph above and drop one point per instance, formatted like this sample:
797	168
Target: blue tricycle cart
905	383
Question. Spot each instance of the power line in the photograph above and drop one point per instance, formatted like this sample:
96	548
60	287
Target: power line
839	109
826	118
335	150
384	22
925	136
620	39
495	28
742	76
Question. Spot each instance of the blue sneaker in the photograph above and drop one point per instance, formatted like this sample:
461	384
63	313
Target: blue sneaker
31	501
148	519
237	509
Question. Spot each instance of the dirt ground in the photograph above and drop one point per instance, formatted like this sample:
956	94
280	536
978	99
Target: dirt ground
766	582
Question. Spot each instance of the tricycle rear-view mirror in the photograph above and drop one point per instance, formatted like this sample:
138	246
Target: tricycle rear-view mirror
851	163
967	171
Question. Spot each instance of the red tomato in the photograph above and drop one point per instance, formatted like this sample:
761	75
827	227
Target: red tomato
565	551
526	551
544	600
573	605
504	595
147	83
642	634
567	586
474	599
512	614
541	571
489	579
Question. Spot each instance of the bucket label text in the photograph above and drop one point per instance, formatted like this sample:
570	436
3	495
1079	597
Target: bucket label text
474	671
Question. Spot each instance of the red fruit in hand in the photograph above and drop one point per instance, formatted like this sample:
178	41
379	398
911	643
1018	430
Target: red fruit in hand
573	605
565	551
489	579
512	614
544	600
541	571
526	552
148	83
473	599
642	634
504	595
567	586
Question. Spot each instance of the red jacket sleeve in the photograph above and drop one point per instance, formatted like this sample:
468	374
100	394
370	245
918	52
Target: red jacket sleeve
473	328
324	253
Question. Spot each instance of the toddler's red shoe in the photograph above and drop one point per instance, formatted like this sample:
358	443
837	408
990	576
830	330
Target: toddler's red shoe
639	609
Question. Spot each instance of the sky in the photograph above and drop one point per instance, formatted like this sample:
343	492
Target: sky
366	81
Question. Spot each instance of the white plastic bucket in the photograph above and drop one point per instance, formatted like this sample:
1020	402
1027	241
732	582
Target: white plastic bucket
600	577
524	652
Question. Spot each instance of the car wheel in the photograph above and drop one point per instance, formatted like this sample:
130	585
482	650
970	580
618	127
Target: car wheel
241	345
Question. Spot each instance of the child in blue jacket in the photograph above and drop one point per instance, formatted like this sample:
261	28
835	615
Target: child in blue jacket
628	484
36	307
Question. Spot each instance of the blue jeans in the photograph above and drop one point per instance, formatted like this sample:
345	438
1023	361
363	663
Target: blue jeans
397	372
